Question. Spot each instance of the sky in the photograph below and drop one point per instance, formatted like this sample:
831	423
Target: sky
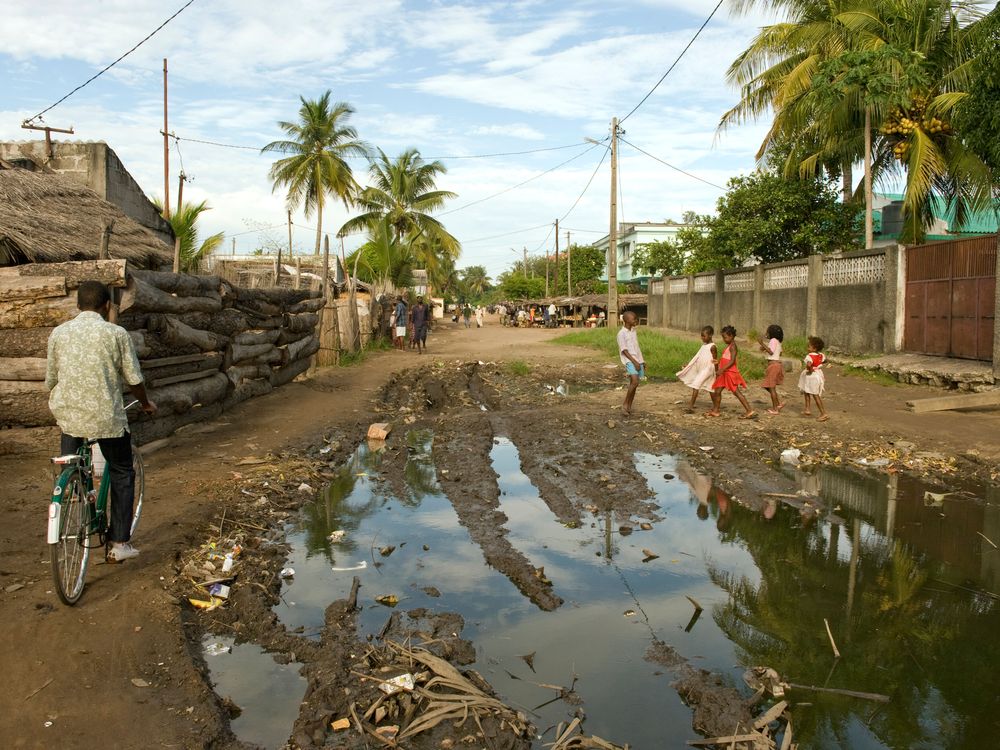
451	79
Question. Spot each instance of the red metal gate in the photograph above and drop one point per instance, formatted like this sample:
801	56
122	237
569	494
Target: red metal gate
950	298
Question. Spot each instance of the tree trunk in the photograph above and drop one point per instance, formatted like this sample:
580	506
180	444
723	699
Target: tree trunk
22	368
181	284
248	338
25	342
24	404
319	213
238	353
110	272
142	349
847	178
177	334
161	427
32	314
31	287
239	373
308	305
300	322
192	363
286	337
140	296
248	389
289	372
180	398
304	348
869	231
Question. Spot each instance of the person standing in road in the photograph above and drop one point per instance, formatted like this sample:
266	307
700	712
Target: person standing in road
631	356
419	322
553	322
89	359
400	323
467	314
480	312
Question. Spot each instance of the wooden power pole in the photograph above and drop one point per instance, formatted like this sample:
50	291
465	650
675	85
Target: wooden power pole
166	148
613	232
48	134
569	266
557	259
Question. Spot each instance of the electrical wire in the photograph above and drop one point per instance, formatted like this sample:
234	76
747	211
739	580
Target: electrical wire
110	66
505	234
674	64
667	164
587	186
520	184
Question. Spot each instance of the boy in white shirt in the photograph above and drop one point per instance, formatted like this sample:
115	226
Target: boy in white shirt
631	357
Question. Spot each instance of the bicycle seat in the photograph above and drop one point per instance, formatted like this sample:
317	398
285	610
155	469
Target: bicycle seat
67	459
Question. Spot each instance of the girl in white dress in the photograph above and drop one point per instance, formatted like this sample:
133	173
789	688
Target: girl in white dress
812	381
699	373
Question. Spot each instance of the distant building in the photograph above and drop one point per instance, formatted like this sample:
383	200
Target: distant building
630	237
97	167
887	218
420	284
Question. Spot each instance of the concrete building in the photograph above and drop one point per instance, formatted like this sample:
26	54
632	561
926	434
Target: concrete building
630	237
97	167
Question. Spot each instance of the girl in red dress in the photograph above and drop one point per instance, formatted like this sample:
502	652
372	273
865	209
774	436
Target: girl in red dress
728	377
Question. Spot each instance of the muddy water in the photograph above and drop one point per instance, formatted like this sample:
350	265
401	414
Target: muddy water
894	571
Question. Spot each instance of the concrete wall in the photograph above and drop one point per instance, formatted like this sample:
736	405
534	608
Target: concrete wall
736	309
854	318
99	168
786	307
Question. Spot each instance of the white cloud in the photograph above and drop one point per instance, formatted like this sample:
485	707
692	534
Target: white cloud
514	130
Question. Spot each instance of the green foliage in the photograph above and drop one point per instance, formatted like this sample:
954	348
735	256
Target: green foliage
588	263
384	258
978	116
515	286
518	367
475	280
795	347
660	258
184	222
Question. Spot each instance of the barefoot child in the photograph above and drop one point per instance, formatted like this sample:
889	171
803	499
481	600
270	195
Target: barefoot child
699	373
812	381
631	356
775	373
729	377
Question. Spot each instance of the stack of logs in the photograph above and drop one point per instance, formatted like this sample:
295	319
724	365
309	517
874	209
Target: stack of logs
204	345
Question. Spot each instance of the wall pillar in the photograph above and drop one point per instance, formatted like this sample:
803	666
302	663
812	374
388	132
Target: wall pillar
690	303
720	289
814	280
758	293
894	310
996	320
667	321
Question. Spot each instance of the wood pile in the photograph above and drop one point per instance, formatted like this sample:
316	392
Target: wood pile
204	345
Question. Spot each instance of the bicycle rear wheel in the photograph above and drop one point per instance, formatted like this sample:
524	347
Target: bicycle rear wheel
140	487
70	554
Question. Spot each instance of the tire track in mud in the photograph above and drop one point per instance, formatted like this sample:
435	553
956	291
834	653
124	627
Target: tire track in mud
461	451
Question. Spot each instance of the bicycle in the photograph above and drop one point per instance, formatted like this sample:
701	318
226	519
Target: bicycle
78	512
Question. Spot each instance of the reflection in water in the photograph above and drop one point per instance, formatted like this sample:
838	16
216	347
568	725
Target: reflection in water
877	562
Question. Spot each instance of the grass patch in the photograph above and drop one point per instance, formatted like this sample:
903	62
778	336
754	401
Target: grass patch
350	359
665	355
518	367
872	376
795	347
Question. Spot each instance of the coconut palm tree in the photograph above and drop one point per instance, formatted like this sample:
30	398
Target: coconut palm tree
385	259
319	145
184	222
476	280
404	191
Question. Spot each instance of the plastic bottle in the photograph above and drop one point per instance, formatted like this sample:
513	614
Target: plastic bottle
97	461
227	564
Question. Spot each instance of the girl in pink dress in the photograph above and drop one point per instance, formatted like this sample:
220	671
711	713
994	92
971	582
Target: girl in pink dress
699	373
729	377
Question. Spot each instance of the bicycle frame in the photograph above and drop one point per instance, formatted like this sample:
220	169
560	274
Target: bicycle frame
80	463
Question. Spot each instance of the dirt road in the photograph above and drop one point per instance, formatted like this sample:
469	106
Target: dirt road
122	668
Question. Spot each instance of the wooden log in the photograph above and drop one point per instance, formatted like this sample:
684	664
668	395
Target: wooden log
275	295
182	378
246	390
178	334
31	287
304	348
181	284
301	322
110	272
238	373
267	336
181	365
290	371
24	403
958	401
25	342
41	313
142	349
287	337
237	353
141	296
307	305
274	357
180	398
165	426
22	368
877	697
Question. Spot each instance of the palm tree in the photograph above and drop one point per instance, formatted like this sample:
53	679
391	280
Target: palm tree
319	144
476	280
184	222
404	192
385	259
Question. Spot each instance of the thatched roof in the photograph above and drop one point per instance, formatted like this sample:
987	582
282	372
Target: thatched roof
48	218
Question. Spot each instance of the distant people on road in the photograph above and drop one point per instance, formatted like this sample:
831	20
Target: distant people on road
479	316
467	314
420	320
812	381
546	317
729	377
775	373
552	315
400	323
631	357
699	373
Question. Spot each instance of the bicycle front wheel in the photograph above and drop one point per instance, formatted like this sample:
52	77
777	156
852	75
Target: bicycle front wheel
140	487
71	553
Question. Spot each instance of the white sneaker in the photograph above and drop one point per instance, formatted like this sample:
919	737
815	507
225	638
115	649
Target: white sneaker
121	551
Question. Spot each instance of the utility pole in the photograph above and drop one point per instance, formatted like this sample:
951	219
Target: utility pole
180	190
557	258
277	266
166	148
569	266
546	273
613	232
48	134
234	246
526	264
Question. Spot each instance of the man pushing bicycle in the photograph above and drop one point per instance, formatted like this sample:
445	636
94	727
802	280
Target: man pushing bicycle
89	360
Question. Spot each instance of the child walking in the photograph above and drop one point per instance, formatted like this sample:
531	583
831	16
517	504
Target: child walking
729	377
631	356
699	373
812	381
774	375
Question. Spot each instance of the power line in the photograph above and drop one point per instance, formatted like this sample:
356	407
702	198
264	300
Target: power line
587	186
110	66
673	65
506	234
520	184
667	164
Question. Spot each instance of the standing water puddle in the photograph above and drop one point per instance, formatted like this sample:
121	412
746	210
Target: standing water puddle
893	570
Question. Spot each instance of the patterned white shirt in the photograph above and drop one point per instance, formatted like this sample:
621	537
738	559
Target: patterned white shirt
89	359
